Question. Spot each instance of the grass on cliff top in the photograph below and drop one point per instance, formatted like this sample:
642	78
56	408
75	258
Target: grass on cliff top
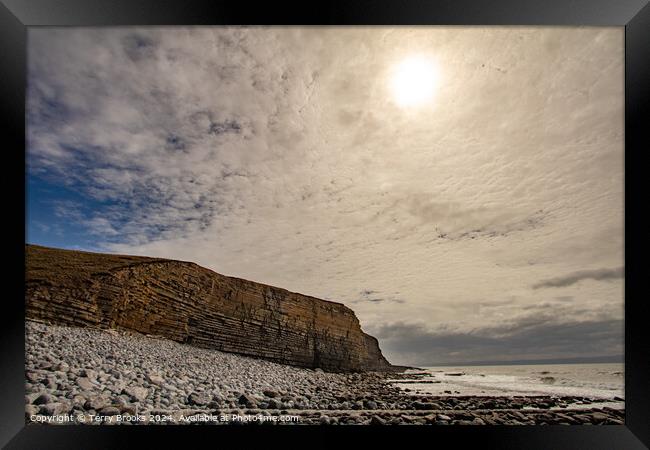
73	268
70	267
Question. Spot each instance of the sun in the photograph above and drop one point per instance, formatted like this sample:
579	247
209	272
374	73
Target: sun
414	81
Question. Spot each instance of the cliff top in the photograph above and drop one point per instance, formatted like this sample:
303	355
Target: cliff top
70	268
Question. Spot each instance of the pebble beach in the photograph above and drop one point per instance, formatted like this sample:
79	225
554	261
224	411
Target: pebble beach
109	377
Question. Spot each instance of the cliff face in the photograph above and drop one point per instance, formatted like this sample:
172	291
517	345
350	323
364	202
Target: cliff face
188	303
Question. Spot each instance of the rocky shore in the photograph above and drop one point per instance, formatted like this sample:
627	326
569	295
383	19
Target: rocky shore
97	376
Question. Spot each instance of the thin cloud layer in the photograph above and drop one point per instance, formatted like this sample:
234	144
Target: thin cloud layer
278	154
572	278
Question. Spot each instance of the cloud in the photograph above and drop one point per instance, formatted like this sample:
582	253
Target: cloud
125	122
574	277
277	154
368	295
454	221
528	338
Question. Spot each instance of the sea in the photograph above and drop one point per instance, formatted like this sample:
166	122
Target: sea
604	382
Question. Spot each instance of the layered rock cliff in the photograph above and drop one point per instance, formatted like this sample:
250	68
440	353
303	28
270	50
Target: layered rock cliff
189	303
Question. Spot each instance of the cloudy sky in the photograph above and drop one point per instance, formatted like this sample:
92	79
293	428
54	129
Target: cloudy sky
470	211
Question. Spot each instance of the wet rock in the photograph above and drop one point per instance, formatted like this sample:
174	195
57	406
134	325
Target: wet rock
420	405
370	404
598	416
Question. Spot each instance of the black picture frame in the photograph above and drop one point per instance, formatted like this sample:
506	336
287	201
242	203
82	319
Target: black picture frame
17	15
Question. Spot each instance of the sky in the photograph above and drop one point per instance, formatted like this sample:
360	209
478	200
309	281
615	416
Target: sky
460	188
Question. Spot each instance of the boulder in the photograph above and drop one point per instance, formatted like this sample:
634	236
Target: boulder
247	401
156	379
109	411
31	410
53	409
43	399
88	373
370	404
85	384
198	399
96	402
376	420
136	393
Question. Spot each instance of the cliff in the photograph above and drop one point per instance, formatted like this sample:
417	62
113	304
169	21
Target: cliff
188	303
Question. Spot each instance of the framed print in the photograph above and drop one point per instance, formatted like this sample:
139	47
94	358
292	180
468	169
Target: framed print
336	220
